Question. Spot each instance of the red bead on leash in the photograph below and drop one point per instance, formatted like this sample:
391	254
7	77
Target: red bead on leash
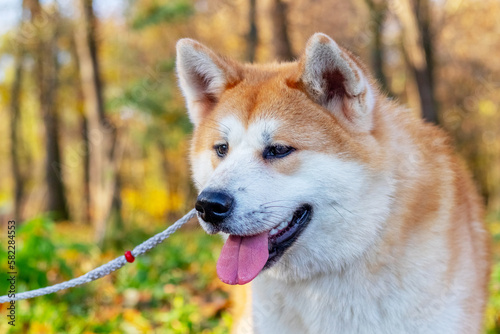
129	257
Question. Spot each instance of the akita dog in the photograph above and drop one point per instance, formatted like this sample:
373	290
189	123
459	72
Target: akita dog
349	214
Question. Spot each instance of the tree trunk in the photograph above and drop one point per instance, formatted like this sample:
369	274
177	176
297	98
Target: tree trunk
115	213
281	41
84	130
378	11
423	14
15	104
46	71
253	36
56	196
101	133
426	93
415	28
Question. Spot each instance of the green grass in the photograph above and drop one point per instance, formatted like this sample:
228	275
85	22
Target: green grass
171	289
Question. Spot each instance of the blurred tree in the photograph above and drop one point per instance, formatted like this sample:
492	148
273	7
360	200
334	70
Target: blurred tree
253	35
417	49
158	12
46	72
152	96
378	12
84	130
468	83
281	39
100	131
15	104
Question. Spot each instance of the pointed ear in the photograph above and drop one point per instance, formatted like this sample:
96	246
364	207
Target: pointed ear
333	79
203	76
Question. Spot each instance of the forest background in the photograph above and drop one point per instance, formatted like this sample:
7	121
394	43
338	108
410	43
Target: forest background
94	137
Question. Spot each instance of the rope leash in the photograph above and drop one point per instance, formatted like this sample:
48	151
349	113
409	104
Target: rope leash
107	268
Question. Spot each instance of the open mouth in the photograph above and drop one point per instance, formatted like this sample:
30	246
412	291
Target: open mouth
284	235
243	257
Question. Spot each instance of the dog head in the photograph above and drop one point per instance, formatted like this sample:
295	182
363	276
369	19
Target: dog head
286	151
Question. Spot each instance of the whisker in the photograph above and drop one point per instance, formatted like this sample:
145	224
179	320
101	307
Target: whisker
342	207
269	221
279	200
275	216
213	128
334	208
278	206
195	181
225	131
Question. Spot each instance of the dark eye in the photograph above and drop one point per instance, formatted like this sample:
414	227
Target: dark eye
277	151
221	149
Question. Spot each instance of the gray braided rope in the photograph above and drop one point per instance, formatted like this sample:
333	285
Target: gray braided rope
107	268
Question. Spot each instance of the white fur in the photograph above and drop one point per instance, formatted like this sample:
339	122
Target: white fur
323	284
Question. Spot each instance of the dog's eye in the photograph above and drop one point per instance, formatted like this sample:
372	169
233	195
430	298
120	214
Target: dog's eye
277	151
221	149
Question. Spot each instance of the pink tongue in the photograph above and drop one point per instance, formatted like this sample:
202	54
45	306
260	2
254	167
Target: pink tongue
242	258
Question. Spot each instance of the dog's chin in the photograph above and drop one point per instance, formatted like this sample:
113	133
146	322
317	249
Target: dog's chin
290	267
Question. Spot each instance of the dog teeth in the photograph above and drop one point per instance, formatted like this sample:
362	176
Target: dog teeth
278	228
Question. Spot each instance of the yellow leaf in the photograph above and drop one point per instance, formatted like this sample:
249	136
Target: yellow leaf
487	107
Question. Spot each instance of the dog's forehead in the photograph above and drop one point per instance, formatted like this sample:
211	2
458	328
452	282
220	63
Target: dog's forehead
272	112
257	132
261	109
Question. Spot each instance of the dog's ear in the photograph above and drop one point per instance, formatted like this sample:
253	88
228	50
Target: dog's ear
333	79
203	76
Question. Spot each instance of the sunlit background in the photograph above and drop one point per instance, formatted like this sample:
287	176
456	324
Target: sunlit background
94	137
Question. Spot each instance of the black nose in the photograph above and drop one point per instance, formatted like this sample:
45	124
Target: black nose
214	206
